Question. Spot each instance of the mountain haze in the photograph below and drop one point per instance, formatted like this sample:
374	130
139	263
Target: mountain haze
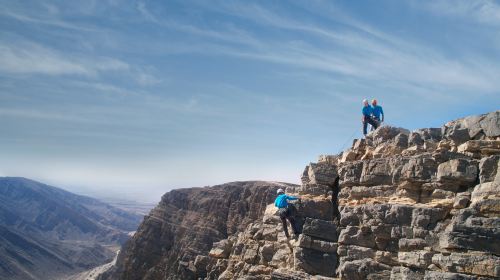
47	232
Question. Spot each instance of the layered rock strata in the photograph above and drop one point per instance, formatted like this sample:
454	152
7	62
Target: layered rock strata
396	205
185	224
413	205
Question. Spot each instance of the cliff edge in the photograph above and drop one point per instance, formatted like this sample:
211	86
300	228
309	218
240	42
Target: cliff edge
410	205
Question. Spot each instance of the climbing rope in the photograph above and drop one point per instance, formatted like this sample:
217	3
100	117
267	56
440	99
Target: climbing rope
349	138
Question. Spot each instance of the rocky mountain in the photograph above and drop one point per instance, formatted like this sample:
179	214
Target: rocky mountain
396	205
186	223
47	233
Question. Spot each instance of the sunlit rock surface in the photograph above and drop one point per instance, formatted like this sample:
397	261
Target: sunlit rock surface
413	205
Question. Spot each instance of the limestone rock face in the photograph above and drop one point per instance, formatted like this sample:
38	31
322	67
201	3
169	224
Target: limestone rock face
396	205
172	240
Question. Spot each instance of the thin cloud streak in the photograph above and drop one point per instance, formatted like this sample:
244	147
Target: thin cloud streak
482	11
382	57
32	58
50	22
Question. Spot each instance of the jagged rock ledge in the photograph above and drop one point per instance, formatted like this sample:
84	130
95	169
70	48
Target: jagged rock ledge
413	205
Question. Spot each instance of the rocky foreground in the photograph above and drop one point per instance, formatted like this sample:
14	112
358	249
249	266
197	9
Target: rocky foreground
411	205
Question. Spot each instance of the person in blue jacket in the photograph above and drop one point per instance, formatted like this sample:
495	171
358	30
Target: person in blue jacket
378	113
281	202
367	118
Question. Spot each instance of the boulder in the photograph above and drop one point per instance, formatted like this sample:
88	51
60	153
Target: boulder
353	252
304	178
430	134
318	208
359	236
376	172
330	159
315	262
322	173
348	155
287	274
385	134
488	167
251	253
364	192
462	200
456	134
260	270
478	148
486	198
405	273
350	173
411	244
439	275
221	249
266	252
469	263
416	259
415	139
306	241
364	269
470	230
490	124
314	189
487	125
326	230
459	172
418	169
401	140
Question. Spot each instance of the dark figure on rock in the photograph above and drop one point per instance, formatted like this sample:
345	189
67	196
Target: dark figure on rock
335	188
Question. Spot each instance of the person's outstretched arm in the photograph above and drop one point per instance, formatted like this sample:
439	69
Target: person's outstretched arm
291	197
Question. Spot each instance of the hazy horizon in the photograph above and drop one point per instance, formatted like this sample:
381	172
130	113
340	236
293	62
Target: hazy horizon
134	98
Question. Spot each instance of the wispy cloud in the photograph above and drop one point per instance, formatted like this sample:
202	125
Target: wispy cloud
146	79
33	58
357	51
482	11
50	21
229	33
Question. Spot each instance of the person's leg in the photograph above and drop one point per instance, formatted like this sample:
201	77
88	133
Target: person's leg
293	224
372	122
285	228
365	124
376	120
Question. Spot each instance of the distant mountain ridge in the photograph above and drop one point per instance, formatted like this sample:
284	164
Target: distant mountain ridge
47	232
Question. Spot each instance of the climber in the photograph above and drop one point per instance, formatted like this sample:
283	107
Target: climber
367	116
284	212
378	113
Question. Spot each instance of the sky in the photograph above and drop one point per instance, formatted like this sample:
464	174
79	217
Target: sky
134	98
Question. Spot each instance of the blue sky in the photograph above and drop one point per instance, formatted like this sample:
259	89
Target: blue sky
138	97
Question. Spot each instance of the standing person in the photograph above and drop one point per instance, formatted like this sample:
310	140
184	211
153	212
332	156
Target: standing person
285	214
367	112
378	113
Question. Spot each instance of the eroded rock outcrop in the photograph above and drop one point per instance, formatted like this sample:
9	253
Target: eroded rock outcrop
413	205
408	205
185	224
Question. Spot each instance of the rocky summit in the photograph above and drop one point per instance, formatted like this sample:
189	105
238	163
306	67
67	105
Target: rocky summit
396	205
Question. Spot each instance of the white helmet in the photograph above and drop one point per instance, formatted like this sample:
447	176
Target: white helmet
365	101
280	191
